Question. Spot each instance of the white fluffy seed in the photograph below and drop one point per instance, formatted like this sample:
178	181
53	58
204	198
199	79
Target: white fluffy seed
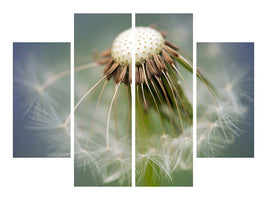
148	41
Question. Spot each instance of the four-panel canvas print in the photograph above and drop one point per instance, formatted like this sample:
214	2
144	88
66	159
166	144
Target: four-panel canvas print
133	100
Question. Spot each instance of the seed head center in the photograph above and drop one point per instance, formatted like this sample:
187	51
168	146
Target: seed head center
148	41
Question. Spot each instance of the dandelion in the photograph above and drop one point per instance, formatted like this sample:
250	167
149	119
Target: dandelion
163	111
159	98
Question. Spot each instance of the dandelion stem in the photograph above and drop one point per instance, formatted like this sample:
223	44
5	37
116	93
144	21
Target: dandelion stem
164	92
167	99
179	97
92	124
115	117
202	72
129	109
182	78
156	91
109	112
163	132
60	75
86	66
189	66
83	97
148	115
211	92
178	110
144	98
192	93
139	106
161	102
51	80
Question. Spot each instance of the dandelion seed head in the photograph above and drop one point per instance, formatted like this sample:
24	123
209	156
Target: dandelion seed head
148	41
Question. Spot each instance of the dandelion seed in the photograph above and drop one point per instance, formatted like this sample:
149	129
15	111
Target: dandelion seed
226	111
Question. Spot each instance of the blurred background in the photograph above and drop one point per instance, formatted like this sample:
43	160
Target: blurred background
233	63
33	63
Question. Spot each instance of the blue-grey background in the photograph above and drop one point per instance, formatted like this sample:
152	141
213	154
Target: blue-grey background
241	57
25	143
